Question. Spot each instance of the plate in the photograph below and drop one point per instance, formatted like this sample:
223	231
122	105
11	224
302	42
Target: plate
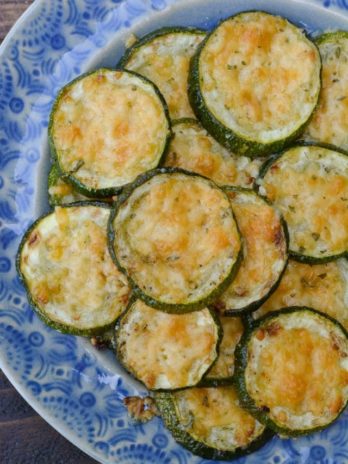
78	390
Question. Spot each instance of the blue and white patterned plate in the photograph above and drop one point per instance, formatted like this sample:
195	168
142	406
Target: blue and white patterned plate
76	389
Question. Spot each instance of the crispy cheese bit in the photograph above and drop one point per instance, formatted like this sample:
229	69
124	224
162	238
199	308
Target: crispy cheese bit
141	409
179	347
165	60
309	186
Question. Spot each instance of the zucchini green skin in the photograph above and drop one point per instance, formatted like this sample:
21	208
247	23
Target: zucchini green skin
256	304
68	176
241	356
263	171
137	291
131	372
122	63
166	407
227	137
57	325
331	37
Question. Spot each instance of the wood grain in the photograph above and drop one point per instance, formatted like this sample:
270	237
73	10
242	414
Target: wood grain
25	438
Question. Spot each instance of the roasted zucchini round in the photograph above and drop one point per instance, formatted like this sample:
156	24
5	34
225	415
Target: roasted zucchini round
265	244
292	370
211	423
167	351
174	235
254	82
64	263
308	184
107	127
163	56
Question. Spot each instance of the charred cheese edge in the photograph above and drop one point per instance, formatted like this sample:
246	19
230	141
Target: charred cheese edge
330	120
106	128
247	87
167	351
163	56
175	236
223	369
264	252
193	149
309	186
293	370
320	286
210	422
68	273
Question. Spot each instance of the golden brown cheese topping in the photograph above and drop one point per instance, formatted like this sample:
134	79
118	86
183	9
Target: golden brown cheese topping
264	251
232	331
330	121
68	270
321	286
213	416
108	128
309	186
165	61
177	237
167	350
251	79
193	149
298	369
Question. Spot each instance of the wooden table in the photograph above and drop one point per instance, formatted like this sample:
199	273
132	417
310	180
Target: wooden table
25	438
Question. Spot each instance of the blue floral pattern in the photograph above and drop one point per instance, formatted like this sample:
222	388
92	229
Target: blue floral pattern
77	389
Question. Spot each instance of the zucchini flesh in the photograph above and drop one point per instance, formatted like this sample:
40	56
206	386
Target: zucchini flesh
282	360
308	184
330	120
246	85
175	237
210	422
193	149
69	276
163	56
106	128
167	351
221	373
264	250
320	286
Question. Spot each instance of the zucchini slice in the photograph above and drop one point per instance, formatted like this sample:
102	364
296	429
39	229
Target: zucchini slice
174	235
64	263
330	120
167	351
246	85
265	253
211	423
163	56
221	373
292	370
309	186
106	128
320	286
193	149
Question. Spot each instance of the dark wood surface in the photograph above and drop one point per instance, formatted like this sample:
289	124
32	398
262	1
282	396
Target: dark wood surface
25	438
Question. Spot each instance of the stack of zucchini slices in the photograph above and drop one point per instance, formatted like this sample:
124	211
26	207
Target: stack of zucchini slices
212	249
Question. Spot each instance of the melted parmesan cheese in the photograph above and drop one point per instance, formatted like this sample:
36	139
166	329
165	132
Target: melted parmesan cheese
213	416
108	128
165	61
68	270
322	286
251	80
232	331
167	350
330	121
193	149
264	251
176	237
309	185
297	369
